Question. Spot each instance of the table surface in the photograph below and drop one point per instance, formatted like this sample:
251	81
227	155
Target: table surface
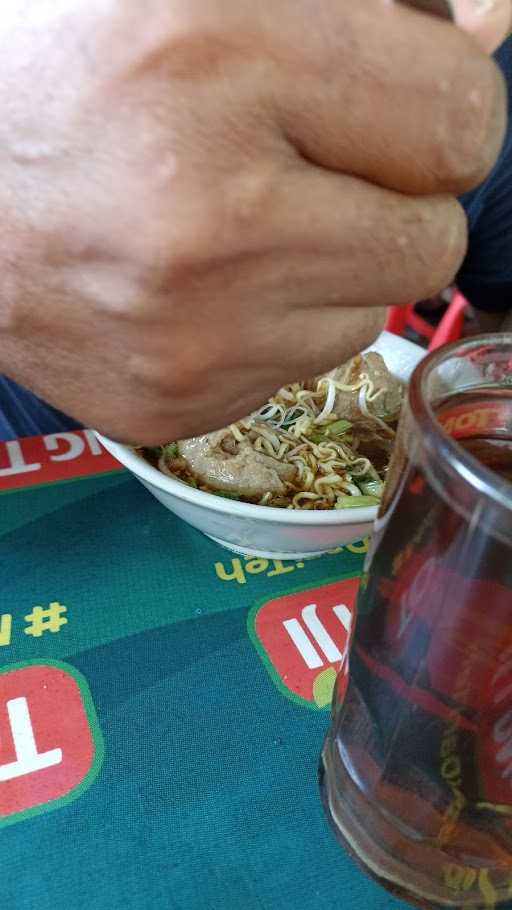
160	716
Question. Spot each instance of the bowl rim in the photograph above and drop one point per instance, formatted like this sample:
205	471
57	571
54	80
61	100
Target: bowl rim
229	507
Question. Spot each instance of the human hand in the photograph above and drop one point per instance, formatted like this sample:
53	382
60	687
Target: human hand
201	198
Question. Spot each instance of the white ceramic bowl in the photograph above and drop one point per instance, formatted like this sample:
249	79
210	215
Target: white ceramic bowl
259	530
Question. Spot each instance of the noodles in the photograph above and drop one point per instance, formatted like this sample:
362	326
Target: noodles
324	446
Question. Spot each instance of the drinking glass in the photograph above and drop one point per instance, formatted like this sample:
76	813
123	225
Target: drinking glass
416	770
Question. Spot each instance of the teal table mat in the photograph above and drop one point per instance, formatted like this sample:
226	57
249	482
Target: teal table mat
162	706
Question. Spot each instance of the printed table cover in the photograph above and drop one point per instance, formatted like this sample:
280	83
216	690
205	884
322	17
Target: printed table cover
162	702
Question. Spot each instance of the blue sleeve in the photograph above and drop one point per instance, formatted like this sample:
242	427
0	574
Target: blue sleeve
22	414
486	274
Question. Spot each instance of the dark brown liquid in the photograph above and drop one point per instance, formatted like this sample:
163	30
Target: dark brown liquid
419	759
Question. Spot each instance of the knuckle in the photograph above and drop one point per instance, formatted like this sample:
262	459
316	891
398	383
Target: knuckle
433	243
174	362
153	378
210	225
472	131
453	242
442	248
224	221
173	258
372	326
249	198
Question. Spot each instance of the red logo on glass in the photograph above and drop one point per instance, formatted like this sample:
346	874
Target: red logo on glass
50	744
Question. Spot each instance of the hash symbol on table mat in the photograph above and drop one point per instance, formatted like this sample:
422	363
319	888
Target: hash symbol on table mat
47	619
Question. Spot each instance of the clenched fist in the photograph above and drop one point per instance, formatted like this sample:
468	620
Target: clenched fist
201	199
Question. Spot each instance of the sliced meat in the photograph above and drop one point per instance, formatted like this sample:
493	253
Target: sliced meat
247	472
387	406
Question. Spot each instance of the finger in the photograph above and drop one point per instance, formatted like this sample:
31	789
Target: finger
334	246
311	238
352	243
412	105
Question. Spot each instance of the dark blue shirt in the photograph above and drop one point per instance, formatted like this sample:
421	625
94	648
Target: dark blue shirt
485	277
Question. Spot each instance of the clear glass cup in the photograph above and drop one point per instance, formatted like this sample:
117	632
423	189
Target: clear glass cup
416	770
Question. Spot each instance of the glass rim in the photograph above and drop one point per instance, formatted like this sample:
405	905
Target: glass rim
483	479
